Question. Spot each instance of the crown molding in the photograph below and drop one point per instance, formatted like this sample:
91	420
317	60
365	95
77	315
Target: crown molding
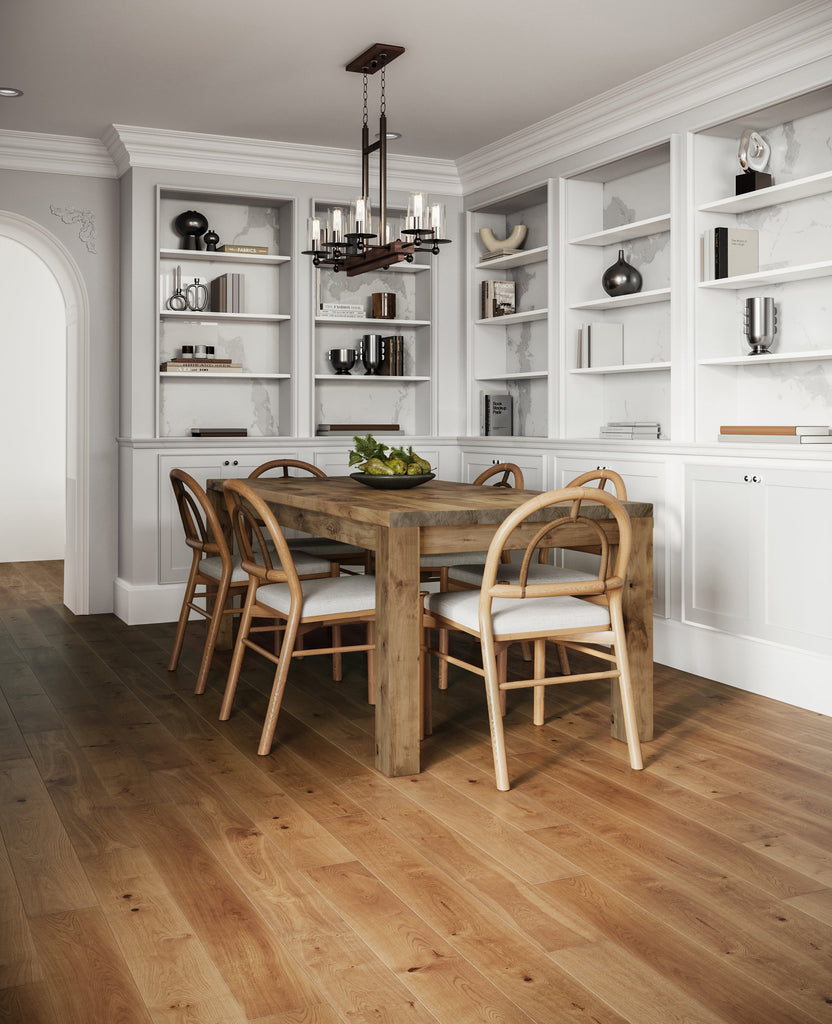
131	146
55	154
786	42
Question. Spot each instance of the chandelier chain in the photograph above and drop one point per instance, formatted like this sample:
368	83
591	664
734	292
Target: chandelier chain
383	107
366	117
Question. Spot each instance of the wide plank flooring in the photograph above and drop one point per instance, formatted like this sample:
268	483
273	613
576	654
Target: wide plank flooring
154	869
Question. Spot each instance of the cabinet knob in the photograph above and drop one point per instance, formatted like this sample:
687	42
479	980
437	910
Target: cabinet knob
227	463
236	463
752	478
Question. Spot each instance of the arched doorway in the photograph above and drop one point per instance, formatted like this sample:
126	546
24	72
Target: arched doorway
53	254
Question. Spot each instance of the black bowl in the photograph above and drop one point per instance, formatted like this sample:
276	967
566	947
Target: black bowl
392	483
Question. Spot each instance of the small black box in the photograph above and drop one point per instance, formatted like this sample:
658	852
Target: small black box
750	181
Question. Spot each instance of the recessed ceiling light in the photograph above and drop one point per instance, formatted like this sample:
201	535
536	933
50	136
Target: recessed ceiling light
7	90
391	135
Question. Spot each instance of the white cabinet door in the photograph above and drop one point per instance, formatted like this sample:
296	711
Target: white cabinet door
476	462
645	481
758	552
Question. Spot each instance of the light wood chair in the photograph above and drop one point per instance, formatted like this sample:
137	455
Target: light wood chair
578	614
214	567
275	592
338	553
436	567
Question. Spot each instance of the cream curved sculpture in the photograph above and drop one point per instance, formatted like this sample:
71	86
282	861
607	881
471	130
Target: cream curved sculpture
514	240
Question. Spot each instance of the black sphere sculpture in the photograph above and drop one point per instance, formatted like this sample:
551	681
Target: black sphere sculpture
211	238
191	225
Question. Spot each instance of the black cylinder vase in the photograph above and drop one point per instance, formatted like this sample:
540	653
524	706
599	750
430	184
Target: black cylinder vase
621	278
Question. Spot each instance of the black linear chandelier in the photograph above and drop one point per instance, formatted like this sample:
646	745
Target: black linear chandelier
343	240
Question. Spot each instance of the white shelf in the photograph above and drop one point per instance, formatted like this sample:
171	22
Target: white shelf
355	321
515	259
209	317
772	357
626	232
619	301
509	375
224	376
623	368
513	318
367	378
787	192
201	256
780	275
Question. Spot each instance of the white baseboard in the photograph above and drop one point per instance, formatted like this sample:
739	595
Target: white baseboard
786	674
139	606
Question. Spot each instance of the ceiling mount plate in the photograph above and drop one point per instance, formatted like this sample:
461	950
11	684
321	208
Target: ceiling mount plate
379	55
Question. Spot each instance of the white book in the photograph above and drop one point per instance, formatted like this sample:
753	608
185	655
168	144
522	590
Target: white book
606	344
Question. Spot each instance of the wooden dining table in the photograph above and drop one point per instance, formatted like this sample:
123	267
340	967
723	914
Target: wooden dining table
437	517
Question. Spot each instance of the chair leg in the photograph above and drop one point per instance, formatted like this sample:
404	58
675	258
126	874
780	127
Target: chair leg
237	657
495	698
278	687
190	590
442	671
625	685
211	640
371	663
337	659
563	657
539	673
502	674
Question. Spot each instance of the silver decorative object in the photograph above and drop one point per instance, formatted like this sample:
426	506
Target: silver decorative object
371	353
753	155
343	359
760	323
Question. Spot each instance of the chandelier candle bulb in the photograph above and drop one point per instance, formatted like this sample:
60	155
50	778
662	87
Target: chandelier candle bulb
313	233
437	220
362	217
417	205
337	226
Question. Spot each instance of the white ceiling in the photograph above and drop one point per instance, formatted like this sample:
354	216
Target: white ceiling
474	71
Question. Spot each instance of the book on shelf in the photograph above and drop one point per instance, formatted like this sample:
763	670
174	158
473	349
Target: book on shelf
200	361
219	432
226	293
245	250
392	356
780	434
345	314
780	429
497	299
341	307
358	428
602	344
729	252
497	253
202	366
631	429
496	415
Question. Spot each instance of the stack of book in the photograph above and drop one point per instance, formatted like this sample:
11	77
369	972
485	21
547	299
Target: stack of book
342	311
497	298
201	366
357	428
729	252
496	415
776	434
226	294
392	356
623	430
497	253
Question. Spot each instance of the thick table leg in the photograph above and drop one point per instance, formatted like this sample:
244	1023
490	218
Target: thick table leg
397	651
638	619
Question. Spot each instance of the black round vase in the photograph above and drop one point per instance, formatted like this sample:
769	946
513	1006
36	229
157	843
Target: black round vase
621	278
191	225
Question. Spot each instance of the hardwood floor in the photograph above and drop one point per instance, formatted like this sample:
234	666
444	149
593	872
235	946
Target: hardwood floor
154	869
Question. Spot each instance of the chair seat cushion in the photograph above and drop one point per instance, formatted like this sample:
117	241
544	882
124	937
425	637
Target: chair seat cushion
212	566
472	574
334	595
542	615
